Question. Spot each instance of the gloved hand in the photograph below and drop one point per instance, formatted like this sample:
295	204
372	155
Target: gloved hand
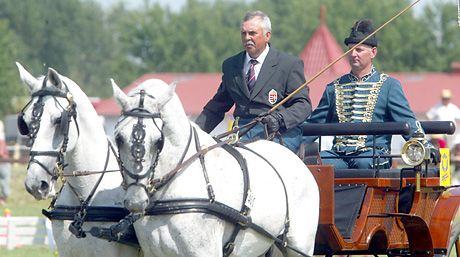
272	122
435	155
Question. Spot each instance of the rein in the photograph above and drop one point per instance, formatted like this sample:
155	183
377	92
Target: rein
76	226
79	173
160	182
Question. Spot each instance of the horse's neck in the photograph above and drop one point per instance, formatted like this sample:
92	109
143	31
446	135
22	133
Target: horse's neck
177	132
91	153
173	154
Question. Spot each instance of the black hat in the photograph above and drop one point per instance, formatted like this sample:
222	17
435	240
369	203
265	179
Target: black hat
360	30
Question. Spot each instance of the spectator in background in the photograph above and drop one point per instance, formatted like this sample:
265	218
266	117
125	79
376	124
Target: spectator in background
5	167
445	111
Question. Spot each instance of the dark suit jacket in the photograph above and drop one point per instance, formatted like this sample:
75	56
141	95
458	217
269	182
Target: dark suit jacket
280	72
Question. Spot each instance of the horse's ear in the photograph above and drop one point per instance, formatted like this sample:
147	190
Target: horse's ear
54	78
167	96
30	81
120	96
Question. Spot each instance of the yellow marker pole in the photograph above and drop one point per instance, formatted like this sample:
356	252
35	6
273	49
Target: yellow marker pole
444	167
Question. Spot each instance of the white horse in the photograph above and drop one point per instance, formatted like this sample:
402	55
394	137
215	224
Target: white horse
154	136
64	130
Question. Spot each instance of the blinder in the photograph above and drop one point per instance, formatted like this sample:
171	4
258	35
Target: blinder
64	121
22	125
37	111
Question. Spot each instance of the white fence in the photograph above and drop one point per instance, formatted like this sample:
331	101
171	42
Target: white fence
20	231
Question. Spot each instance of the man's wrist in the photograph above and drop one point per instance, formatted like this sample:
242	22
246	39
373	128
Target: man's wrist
280	120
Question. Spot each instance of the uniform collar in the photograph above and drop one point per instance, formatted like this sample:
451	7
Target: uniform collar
366	77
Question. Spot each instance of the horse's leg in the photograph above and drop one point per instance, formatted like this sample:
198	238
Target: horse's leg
199	235
302	232
303	214
188	234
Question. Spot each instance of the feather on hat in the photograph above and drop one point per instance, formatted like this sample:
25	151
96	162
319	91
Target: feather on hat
361	30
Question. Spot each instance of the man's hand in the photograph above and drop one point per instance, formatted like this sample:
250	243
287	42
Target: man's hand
273	122
435	155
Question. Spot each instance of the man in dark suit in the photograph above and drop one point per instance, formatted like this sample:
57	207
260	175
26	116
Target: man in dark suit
255	80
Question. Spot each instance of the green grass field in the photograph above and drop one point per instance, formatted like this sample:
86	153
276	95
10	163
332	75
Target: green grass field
21	203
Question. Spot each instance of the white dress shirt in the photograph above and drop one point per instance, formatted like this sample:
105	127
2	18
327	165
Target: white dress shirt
260	61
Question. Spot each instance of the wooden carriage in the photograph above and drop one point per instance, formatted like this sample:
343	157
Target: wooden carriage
395	212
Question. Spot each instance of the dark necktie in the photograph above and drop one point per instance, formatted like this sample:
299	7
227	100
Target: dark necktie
251	75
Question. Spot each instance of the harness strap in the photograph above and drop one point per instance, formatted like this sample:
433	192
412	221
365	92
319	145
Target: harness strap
56	154
199	205
211	195
216	208
283	242
160	182
94	213
79	173
99	214
245	210
76	226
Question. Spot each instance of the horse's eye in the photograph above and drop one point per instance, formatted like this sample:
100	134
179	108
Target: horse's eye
119	141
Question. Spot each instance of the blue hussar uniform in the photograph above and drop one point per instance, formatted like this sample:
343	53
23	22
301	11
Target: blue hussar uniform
375	98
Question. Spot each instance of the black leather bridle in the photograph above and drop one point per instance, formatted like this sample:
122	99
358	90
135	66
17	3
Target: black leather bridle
63	122
138	140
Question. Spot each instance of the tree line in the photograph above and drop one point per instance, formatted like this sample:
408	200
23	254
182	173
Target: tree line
90	44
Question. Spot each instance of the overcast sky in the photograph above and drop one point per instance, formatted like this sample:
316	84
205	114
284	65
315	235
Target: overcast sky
177	4
173	4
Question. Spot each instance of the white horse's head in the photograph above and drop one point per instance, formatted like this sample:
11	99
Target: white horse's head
140	148
49	121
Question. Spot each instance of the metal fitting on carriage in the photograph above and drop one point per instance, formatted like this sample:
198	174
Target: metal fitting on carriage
418	149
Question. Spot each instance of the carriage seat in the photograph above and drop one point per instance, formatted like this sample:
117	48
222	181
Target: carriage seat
384	173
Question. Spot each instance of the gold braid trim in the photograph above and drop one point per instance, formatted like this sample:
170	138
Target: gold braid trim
352	106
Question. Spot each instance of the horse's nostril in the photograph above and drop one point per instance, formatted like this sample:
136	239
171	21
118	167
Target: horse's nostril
43	186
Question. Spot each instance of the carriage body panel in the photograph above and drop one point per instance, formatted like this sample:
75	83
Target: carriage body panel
426	225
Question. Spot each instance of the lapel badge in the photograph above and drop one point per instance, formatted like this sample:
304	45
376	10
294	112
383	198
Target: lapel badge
272	96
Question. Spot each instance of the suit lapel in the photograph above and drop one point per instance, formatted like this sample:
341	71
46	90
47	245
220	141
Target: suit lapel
267	70
238	76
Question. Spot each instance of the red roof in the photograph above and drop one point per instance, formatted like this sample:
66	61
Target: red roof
321	50
193	89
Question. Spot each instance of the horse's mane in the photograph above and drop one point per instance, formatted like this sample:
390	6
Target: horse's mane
79	96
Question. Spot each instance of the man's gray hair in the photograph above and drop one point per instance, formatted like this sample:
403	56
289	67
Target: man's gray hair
266	23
